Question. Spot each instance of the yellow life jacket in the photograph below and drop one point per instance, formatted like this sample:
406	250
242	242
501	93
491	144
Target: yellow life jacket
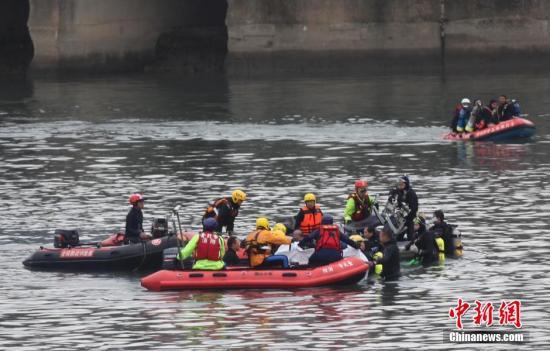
440	243
458	247
378	267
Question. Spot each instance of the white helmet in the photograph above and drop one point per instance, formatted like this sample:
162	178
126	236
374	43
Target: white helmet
465	101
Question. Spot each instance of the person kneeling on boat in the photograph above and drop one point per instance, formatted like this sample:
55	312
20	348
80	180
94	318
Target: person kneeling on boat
481	116
328	247
463	115
389	259
261	243
359	207
134	221
207	248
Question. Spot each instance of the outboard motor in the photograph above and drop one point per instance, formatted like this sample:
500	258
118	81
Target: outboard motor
159	228
64	238
170	261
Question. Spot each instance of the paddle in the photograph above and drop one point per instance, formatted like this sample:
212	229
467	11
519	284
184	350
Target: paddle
175	211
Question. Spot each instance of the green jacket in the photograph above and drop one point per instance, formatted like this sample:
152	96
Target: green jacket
208	265
350	207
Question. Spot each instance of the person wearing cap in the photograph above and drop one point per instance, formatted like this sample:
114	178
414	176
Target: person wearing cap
328	246
134	221
225	210
359	205
262	243
207	248
463	115
389	257
405	194
359	240
309	217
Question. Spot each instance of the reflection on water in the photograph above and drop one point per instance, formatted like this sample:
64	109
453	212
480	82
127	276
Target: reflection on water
71	152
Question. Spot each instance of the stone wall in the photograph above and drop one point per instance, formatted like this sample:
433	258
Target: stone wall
111	35
271	35
341	34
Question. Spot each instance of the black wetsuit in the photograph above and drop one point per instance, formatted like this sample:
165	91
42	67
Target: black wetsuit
134	225
445	231
408	196
391	267
426	244
230	258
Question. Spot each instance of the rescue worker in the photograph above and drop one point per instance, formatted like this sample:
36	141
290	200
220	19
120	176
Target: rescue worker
505	109
425	241
309	217
262	243
481	117
372	242
404	194
231	258
463	115
225	210
134	221
359	206
445	231
207	248
389	259
328	247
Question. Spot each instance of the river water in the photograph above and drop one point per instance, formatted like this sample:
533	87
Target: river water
72	150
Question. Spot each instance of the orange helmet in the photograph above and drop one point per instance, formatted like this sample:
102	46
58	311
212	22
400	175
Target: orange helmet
135	198
361	184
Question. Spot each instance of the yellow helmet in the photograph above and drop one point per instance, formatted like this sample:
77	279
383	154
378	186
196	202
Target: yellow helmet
262	222
280	226
357	238
238	195
309	197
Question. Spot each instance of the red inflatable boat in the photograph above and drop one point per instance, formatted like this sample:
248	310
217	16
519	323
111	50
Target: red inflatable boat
516	128
346	271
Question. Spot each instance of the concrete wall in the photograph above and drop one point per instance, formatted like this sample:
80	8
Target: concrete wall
109	34
333	34
287	34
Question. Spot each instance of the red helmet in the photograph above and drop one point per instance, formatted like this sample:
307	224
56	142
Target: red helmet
361	184
134	198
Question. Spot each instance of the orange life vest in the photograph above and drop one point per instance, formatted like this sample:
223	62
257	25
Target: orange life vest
362	207
208	247
329	238
224	201
312	219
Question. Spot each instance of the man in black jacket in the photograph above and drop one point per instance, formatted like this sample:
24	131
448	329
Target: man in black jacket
445	231
405	194
390	260
134	220
425	241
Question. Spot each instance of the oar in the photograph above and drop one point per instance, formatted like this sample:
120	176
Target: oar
176	212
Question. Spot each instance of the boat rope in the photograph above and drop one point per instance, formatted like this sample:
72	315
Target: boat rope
144	246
